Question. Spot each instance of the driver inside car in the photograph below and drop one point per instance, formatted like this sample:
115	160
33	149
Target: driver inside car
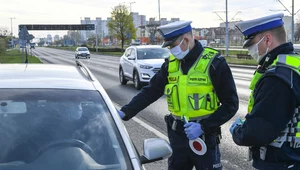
32	131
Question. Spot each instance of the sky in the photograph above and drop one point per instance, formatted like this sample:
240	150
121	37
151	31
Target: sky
201	12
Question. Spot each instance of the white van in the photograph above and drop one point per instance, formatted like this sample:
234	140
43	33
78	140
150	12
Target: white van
203	43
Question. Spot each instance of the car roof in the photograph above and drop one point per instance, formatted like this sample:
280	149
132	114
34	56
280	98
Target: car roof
146	46
44	76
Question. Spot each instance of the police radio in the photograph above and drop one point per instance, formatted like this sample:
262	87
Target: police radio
197	145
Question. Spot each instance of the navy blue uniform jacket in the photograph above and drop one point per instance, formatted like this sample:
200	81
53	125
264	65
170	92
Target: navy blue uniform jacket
275	100
222	81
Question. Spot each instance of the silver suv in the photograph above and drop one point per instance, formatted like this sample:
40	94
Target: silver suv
140	63
59	117
82	52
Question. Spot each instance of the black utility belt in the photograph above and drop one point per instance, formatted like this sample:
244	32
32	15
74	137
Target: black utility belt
191	119
177	124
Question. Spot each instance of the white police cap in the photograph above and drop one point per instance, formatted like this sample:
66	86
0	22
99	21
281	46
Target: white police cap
253	27
172	31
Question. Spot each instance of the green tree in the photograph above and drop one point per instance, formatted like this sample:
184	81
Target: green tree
121	26
3	44
4	35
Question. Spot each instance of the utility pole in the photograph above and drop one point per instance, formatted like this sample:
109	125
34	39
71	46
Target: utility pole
293	25
226	24
293	18
11	29
96	37
159	11
226	41
103	37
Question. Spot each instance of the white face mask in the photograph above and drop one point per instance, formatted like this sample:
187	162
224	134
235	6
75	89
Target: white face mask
178	53
253	51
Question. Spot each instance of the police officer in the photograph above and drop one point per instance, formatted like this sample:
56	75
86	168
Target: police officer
198	84
272	127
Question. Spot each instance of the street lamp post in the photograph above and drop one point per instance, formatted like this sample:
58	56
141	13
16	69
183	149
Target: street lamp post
12	40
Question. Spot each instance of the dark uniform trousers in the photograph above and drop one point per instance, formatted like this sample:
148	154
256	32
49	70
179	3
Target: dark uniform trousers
266	165
183	158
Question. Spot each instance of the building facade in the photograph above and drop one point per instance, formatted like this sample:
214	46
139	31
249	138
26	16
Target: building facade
101	29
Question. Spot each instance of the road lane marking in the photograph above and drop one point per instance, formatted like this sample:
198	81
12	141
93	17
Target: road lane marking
150	128
145	125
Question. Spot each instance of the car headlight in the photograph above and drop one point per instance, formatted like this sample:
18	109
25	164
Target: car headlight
145	67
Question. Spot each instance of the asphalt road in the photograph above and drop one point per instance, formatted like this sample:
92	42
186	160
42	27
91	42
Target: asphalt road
149	123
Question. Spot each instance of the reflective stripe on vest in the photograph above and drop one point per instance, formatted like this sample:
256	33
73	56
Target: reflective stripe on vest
291	133
193	94
290	61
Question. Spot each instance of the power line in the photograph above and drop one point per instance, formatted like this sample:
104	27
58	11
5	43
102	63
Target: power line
293	16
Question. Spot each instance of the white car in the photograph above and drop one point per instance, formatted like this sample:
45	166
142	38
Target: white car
140	63
57	117
82	52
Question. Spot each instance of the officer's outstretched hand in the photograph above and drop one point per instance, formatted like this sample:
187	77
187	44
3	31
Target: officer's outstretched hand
193	130
238	122
121	113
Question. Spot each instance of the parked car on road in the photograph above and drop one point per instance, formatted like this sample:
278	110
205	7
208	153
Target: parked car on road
60	117
82	52
297	48
140	63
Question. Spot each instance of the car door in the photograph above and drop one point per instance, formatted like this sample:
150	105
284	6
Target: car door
126	63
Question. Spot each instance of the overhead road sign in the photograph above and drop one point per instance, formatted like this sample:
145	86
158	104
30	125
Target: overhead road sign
59	27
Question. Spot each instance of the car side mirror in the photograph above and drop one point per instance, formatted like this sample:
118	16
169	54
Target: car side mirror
155	149
131	58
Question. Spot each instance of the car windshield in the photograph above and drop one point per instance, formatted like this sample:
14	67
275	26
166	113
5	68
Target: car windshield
152	53
82	49
31	119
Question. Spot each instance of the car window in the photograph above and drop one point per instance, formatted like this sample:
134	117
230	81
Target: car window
83	49
152	53
128	52
133	53
31	119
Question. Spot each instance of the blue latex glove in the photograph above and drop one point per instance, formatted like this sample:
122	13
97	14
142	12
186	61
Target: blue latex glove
238	122
121	114
193	130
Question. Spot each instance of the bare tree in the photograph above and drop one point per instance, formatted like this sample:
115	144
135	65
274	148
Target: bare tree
121	26
297	32
152	29
4	31
75	36
297	29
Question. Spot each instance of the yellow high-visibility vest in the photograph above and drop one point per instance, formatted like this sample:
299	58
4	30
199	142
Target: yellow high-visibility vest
192	95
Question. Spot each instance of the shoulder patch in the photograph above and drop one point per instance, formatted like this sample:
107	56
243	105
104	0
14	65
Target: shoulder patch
217	61
283	73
